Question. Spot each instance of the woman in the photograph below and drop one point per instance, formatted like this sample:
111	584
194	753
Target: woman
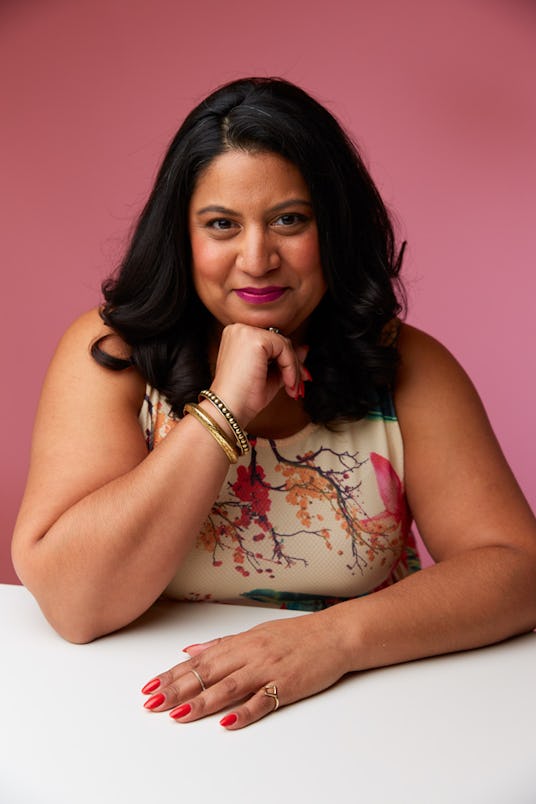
262	273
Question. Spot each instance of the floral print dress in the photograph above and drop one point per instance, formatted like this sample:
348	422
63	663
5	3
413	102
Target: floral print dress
301	522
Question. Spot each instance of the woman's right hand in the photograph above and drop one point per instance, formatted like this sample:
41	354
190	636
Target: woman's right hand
253	365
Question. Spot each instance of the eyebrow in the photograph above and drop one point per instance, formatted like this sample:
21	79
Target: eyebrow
226	211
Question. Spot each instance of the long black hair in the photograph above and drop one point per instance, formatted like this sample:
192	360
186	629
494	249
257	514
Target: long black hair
151	301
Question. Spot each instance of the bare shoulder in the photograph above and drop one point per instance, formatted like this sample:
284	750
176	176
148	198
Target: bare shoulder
435	398
83	400
458	483
86	330
86	431
427	370
433	390
91	324
73	365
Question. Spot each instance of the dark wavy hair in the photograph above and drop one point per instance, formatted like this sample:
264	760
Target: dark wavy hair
151	301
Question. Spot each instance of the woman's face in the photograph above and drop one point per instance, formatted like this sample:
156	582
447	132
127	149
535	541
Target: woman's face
255	254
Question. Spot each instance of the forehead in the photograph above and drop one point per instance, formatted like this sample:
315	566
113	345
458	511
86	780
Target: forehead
253	178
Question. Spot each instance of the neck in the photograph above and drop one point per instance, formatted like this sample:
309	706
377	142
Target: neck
281	418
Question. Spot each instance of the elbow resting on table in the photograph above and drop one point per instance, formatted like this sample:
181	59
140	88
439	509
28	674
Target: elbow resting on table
70	615
76	633
79	628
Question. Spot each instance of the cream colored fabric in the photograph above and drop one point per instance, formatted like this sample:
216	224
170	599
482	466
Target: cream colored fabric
300	522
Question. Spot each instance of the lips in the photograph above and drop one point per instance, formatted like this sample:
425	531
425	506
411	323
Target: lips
260	295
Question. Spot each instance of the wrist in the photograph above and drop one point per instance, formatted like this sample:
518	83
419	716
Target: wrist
238	435
234	404
226	442
341	621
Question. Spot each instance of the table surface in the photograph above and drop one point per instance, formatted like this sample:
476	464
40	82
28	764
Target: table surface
458	728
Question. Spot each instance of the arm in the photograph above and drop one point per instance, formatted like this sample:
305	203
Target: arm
95	540
104	525
471	515
473	519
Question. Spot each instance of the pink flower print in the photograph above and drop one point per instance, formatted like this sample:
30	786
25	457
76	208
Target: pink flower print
390	488
386	529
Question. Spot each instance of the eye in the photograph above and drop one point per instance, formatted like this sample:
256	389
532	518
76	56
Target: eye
219	224
290	219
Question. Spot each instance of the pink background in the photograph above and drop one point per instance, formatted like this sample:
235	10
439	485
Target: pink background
439	94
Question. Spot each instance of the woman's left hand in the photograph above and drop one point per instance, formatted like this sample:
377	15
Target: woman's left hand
299	657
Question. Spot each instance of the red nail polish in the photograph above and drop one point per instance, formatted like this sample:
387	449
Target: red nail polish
187	648
155	701
307	374
151	686
229	720
180	711
301	389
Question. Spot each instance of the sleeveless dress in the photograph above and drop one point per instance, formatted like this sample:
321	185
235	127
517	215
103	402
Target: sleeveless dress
301	522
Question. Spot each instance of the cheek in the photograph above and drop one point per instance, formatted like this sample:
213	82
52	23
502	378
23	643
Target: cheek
308	258
304	249
207	260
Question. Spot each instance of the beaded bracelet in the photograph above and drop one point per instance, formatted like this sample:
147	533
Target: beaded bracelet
214	429
241	437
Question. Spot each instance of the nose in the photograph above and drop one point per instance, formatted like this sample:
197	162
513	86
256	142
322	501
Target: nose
257	254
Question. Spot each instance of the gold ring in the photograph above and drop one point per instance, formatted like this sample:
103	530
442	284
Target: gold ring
271	692
196	674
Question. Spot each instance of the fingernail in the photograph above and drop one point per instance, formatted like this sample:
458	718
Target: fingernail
307	374
155	701
188	647
229	720
151	686
300	391
180	711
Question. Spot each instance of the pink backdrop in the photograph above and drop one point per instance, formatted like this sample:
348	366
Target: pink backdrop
440	95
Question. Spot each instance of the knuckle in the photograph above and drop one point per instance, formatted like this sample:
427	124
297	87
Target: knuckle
165	679
230	685
172	692
246	714
201	666
201	707
262	641
256	708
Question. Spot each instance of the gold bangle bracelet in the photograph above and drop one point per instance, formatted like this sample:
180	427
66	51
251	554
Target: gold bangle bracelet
241	437
214	429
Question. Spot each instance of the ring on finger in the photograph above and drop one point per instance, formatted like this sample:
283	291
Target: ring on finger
271	692
196	674
275	330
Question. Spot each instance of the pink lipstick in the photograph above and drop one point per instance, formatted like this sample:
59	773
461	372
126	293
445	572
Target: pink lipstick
260	295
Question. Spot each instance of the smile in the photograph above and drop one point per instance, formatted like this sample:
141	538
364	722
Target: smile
260	295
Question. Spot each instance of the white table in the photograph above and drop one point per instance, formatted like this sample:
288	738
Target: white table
459	728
